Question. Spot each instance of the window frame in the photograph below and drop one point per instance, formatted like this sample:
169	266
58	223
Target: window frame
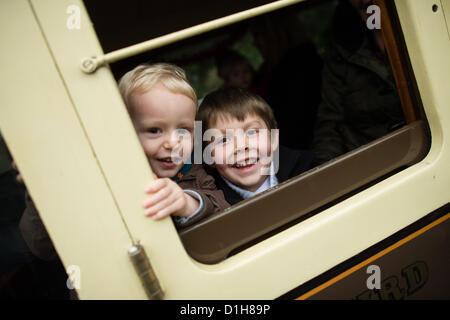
256	221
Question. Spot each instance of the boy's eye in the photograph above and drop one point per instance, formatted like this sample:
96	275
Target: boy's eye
251	132
224	140
182	132
221	140
154	130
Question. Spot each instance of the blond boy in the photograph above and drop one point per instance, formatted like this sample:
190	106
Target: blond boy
162	106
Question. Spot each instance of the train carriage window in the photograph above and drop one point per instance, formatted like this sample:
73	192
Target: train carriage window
339	86
119	25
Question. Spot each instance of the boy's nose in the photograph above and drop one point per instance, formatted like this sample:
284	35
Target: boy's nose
240	144
171	141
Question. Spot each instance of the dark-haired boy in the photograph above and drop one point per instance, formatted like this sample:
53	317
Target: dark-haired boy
245	155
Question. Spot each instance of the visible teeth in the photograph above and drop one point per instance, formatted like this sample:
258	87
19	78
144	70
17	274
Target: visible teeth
245	164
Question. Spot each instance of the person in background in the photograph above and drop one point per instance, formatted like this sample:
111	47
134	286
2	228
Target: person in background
360	102
235	70
23	275
289	78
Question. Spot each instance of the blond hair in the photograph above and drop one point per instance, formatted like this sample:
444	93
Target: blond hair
144	77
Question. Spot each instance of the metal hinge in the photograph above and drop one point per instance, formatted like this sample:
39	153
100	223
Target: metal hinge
145	272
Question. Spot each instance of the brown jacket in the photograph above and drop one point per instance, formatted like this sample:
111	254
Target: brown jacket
196	179
199	181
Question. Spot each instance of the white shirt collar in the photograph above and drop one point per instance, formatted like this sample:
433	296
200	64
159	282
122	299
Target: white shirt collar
270	182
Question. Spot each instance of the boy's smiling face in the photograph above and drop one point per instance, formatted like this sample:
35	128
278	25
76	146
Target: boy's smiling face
164	122
242	154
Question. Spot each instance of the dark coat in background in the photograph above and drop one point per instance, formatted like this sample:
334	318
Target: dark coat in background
360	102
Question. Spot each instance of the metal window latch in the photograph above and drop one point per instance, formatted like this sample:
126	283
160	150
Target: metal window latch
145	272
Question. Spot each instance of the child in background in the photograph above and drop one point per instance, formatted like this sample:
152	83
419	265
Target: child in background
246	157
235	70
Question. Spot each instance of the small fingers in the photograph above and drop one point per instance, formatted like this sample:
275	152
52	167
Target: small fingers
168	210
153	210
156	197
156	185
167	199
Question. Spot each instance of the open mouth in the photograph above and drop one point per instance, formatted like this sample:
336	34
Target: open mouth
169	162
246	164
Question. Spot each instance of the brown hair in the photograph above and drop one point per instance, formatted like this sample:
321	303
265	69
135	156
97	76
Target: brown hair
234	103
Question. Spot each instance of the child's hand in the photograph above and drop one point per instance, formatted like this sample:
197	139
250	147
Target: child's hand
168	198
